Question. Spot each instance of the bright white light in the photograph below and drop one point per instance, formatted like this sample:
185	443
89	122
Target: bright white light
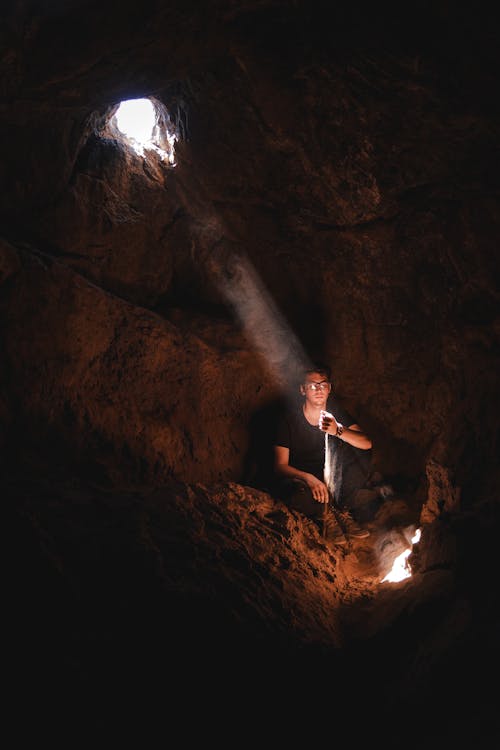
136	119
400	567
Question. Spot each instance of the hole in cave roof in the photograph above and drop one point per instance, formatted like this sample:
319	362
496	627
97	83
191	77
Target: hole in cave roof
144	125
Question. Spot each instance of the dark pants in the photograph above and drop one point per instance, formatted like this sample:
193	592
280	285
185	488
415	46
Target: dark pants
297	495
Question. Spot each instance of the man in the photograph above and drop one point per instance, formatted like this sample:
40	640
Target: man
308	475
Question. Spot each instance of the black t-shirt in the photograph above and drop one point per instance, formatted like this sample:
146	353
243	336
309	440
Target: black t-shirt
306	442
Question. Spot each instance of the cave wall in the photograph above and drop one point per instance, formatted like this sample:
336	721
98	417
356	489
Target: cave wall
339	165
356	174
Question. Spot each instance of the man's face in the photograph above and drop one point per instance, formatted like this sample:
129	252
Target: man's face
316	389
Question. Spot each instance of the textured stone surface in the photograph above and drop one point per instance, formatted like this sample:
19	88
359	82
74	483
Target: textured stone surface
335	194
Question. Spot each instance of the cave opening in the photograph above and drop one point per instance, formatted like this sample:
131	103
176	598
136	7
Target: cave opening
144	125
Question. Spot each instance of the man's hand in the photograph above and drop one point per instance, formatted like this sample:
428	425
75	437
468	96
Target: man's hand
327	422
318	488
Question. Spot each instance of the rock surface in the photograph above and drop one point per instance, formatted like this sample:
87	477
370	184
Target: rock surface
334	195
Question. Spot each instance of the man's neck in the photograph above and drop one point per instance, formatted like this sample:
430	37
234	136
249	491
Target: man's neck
311	413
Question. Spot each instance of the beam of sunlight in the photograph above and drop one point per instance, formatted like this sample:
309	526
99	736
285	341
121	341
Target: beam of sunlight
262	322
333	468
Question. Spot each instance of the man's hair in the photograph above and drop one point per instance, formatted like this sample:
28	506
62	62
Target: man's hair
320	367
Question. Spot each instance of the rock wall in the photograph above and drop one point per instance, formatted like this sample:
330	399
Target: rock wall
356	182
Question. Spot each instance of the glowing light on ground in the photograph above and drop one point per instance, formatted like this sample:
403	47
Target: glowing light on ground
136	119
400	567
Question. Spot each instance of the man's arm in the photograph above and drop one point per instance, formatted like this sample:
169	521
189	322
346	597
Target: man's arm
353	434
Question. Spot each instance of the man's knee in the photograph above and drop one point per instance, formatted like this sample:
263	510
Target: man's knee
298	496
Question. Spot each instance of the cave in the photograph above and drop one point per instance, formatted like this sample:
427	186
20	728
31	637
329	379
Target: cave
335	196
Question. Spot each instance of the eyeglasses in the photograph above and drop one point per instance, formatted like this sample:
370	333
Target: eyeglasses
323	386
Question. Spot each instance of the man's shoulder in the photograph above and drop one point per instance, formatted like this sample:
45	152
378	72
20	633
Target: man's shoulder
290	417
